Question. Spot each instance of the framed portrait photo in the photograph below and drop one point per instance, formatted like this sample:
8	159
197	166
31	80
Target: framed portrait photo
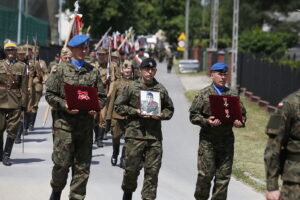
150	103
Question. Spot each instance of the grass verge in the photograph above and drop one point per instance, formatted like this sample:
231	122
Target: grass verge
250	144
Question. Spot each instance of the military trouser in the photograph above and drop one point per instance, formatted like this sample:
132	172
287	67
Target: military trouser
117	130
135	150
9	120
37	97
72	150
102	118
215	158
290	191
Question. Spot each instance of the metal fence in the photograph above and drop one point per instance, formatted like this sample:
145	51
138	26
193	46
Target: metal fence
267	80
31	27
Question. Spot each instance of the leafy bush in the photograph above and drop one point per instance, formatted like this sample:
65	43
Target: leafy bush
272	45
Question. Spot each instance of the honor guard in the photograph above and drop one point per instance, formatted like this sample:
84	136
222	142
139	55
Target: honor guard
72	128
118	122
21	55
13	93
216	146
143	134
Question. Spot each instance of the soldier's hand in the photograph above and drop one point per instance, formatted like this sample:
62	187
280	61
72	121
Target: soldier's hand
138	112
92	112
156	117
72	111
213	121
237	123
273	195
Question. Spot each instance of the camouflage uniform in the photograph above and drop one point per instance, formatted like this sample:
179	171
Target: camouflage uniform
73	136
13	95
282	153
216	147
143	137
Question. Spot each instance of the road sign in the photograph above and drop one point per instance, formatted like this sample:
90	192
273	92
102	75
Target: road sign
181	42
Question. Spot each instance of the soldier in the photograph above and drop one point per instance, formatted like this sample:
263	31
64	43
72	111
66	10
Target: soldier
72	129
100	118
54	62
118	122
66	54
136	61
13	92
39	78
143	135
216	146
282	153
21	55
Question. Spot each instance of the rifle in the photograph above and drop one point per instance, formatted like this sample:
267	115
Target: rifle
24	129
130	31
100	41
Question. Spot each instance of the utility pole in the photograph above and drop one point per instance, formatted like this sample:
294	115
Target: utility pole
214	23
235	37
187	14
20	21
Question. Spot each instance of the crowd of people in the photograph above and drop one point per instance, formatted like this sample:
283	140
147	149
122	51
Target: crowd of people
132	104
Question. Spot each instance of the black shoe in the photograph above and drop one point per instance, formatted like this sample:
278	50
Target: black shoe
6	160
32	121
127	196
113	161
100	143
55	196
105	136
25	132
17	140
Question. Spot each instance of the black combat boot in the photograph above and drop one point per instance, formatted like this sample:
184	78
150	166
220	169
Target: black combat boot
55	195
114	157
32	121
127	196
27	119
122	159
19	133
100	140
7	151
96	131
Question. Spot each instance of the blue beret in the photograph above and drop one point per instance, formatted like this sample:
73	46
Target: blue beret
148	62
219	67
78	40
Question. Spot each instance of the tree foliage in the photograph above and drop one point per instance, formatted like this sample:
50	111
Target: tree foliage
272	45
148	16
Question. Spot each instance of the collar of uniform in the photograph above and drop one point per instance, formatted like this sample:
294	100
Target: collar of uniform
212	88
152	84
10	63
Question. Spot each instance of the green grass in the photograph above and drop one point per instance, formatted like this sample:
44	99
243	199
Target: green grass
250	143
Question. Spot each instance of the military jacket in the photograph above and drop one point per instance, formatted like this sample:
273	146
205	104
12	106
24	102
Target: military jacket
13	92
283	129
66	73
127	104
200	112
118	88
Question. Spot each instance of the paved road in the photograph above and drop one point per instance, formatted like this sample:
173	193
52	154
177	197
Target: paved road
29	177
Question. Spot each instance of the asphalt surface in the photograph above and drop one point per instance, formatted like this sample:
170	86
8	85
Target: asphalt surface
29	176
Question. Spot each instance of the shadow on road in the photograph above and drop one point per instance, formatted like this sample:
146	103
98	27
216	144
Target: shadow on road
42	128
95	162
97	155
35	140
39	133
26	160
